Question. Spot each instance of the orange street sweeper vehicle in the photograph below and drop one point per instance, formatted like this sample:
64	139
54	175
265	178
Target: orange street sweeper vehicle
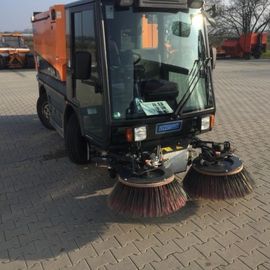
14	53
128	83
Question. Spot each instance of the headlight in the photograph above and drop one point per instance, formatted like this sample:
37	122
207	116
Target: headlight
208	122
197	20
205	123
140	134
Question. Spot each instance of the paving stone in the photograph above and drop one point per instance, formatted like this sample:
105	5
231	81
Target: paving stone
80	254
187	228
82	265
237	209
255	259
12	243
112	231
211	262
228	239
236	265
204	222
148	230
106	245
168	249
14	265
193	266
145	258
123	252
57	263
261	225
99	261
241	220
188	256
263	267
188	241
258	214
252	204
125	264
264	237
37	266
245	232
224	226
249	245
265	251
25	251
206	234
165	237
145	244
209	247
203	210
231	253
129	237
148	267
169	263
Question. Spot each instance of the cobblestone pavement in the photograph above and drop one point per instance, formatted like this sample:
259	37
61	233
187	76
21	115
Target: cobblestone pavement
53	214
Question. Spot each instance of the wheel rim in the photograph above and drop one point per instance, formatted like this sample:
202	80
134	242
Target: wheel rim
46	111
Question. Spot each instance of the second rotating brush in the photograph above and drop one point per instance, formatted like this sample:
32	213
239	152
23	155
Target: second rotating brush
217	173
154	194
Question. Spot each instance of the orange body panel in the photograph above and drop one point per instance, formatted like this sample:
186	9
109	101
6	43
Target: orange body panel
50	38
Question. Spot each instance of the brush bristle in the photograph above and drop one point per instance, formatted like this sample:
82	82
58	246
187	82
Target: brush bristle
202	186
148	201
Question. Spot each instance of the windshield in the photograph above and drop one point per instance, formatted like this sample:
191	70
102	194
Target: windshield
153	62
11	42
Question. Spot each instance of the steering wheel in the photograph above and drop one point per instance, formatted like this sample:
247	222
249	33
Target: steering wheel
137	58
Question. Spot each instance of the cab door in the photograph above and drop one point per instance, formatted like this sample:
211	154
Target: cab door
87	94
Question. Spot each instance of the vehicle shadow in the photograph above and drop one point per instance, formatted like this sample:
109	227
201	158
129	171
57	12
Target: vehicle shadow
49	206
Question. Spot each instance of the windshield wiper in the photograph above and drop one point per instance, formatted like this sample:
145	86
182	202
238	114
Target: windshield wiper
195	72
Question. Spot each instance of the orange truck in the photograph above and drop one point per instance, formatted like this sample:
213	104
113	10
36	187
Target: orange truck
252	44
14	53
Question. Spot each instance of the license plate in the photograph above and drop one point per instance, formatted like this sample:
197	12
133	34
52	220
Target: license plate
168	127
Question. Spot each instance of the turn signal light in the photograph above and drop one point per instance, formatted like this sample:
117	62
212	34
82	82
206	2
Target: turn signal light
129	135
212	121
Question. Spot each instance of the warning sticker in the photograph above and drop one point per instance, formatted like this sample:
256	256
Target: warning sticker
156	108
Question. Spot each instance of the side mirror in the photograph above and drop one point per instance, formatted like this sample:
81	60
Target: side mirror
213	53
83	61
209	19
195	3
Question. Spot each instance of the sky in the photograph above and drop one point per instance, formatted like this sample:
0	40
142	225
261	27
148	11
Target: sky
16	14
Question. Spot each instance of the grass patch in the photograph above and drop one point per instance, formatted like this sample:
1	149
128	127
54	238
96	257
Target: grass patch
266	54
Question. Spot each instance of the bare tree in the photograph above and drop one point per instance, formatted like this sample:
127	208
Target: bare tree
238	17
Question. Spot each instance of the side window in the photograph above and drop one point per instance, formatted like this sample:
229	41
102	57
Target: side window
89	101
85	40
85	37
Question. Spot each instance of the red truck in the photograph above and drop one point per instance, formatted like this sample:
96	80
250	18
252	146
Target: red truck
252	44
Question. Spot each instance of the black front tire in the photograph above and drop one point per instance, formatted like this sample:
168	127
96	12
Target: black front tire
76	144
247	56
257	55
30	61
43	111
2	62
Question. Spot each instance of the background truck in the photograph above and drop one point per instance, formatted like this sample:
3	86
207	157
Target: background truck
14	53
252	44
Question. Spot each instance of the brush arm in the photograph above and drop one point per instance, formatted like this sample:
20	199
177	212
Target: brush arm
212	151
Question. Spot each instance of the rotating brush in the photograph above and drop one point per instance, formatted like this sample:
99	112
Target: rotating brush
217	173
148	196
